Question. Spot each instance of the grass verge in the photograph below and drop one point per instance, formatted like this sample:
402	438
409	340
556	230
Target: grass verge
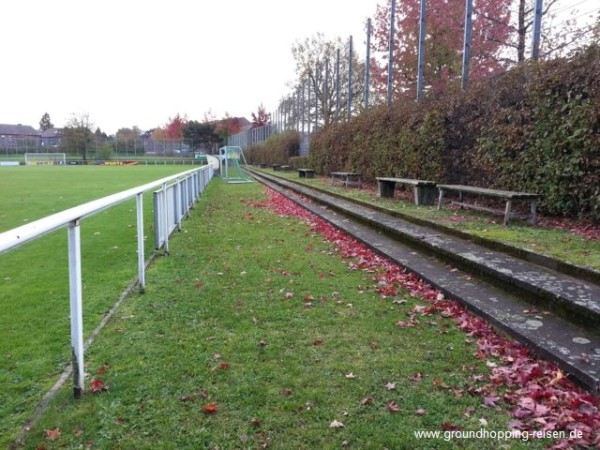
255	333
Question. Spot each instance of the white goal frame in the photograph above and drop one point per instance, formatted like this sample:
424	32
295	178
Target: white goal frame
45	159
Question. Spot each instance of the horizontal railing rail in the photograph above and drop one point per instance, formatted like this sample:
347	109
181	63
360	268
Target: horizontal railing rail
188	187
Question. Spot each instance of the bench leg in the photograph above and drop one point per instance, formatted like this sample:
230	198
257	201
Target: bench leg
424	195
533	218
507	212
385	189
440	198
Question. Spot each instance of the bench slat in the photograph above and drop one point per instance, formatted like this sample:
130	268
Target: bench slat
424	190
408	181
509	196
489	192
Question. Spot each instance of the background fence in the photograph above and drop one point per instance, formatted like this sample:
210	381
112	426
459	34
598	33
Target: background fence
101	149
338	85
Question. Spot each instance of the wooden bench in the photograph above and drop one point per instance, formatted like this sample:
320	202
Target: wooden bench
276	167
509	196
285	168
262	165
424	191
347	178
306	173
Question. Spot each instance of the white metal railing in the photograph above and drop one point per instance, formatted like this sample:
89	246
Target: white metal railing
188	186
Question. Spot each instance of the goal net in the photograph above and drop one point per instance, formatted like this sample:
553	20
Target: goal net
42	159
231	170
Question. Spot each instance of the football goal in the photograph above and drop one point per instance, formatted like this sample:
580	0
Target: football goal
231	160
43	159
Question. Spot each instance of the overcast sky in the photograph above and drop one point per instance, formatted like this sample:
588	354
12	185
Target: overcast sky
139	62
136	62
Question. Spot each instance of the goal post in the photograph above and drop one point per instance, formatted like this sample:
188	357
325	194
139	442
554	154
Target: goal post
45	159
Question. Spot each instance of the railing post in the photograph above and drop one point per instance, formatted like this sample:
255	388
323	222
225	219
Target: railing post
75	291
165	217
140	242
178	200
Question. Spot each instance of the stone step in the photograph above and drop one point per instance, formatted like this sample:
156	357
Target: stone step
574	345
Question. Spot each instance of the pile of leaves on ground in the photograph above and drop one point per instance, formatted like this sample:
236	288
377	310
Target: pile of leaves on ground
540	395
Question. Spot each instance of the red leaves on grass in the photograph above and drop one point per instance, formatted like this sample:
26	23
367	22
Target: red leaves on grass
540	395
97	386
586	229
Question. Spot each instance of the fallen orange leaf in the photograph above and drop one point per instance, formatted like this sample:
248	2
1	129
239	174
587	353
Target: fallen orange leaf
52	434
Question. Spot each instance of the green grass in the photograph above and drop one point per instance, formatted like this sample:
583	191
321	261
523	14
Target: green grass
258	314
558	243
34	296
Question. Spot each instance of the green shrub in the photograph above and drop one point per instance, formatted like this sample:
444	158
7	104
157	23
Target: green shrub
105	152
535	128
278	149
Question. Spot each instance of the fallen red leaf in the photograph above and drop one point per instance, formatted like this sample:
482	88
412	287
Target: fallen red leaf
416	377
491	401
52	434
211	408
393	407
449	426
97	385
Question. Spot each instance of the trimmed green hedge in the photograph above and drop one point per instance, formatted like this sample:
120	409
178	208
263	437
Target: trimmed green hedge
278	149
535	128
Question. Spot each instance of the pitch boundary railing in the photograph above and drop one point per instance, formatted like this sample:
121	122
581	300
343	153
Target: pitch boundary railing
188	187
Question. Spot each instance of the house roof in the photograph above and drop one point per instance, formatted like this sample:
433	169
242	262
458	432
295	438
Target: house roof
51	132
18	130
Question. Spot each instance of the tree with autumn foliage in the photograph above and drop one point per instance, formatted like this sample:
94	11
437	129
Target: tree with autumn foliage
174	127
159	134
228	126
261	118
444	43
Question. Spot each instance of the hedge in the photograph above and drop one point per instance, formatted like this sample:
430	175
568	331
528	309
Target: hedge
535	128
